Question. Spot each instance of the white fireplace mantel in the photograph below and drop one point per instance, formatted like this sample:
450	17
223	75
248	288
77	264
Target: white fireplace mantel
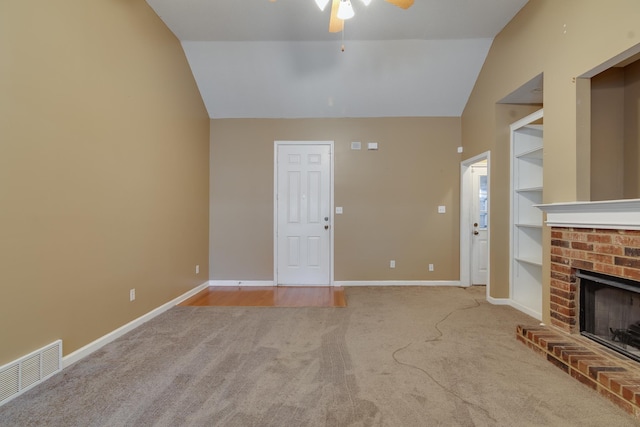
609	214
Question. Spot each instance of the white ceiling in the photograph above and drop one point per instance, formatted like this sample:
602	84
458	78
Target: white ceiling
275	59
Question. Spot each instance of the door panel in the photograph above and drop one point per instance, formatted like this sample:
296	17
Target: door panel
303	200
479	242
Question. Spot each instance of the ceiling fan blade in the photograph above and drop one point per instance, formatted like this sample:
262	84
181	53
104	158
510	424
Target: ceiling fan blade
405	4
335	24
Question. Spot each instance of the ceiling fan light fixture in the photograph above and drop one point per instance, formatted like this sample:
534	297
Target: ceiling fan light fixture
345	11
323	3
366	2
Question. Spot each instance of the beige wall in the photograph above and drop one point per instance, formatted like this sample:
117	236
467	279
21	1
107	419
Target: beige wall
615	140
390	196
103	171
562	39
632	131
607	135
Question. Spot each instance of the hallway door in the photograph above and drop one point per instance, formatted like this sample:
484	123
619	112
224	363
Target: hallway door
303	212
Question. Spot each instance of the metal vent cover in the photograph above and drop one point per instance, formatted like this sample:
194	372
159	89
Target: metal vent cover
20	375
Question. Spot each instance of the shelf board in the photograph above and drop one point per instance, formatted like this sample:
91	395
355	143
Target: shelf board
535	153
524	225
535	262
529	189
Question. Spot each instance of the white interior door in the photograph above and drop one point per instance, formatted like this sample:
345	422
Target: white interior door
303	214
479	218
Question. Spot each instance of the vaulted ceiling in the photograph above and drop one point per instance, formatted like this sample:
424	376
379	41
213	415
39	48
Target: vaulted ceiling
277	59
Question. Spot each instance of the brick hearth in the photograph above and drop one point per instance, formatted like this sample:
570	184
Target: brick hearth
612	252
609	373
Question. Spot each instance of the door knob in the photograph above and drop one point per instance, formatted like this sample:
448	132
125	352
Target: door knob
475	224
476	232
326	227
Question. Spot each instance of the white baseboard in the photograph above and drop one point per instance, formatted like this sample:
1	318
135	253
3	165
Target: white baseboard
397	283
517	306
117	333
240	282
498	301
342	283
526	310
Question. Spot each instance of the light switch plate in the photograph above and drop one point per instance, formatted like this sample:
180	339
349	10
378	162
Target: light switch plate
339	210
442	209
356	145
372	145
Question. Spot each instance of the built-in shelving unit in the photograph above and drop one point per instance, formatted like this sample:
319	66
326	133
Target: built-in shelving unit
526	219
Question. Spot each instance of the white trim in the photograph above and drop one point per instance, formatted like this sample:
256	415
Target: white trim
498	301
515	305
465	228
275	205
344	283
465	225
526	310
241	283
610	214
117	333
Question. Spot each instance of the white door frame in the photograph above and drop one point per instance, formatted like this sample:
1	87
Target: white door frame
275	204
466	210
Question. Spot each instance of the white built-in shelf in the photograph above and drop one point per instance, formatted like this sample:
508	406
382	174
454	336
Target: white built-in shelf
527	157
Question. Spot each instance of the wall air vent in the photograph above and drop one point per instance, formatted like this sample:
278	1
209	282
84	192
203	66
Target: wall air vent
26	372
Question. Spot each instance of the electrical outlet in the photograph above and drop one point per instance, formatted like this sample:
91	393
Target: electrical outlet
197	268
392	263
132	294
430	267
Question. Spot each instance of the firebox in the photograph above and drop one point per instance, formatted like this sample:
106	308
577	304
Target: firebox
610	311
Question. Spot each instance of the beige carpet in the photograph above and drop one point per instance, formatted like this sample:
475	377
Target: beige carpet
394	357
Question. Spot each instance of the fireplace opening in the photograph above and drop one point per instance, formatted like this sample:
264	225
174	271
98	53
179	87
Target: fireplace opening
610	311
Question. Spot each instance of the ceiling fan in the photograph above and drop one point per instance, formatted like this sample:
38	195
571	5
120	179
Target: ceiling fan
341	10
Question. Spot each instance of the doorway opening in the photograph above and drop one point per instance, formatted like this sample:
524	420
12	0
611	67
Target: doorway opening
474	221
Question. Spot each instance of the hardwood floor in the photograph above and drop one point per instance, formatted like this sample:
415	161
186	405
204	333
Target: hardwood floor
276	296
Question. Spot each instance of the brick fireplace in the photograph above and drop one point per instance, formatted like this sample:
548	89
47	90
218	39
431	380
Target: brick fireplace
598	237
612	252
